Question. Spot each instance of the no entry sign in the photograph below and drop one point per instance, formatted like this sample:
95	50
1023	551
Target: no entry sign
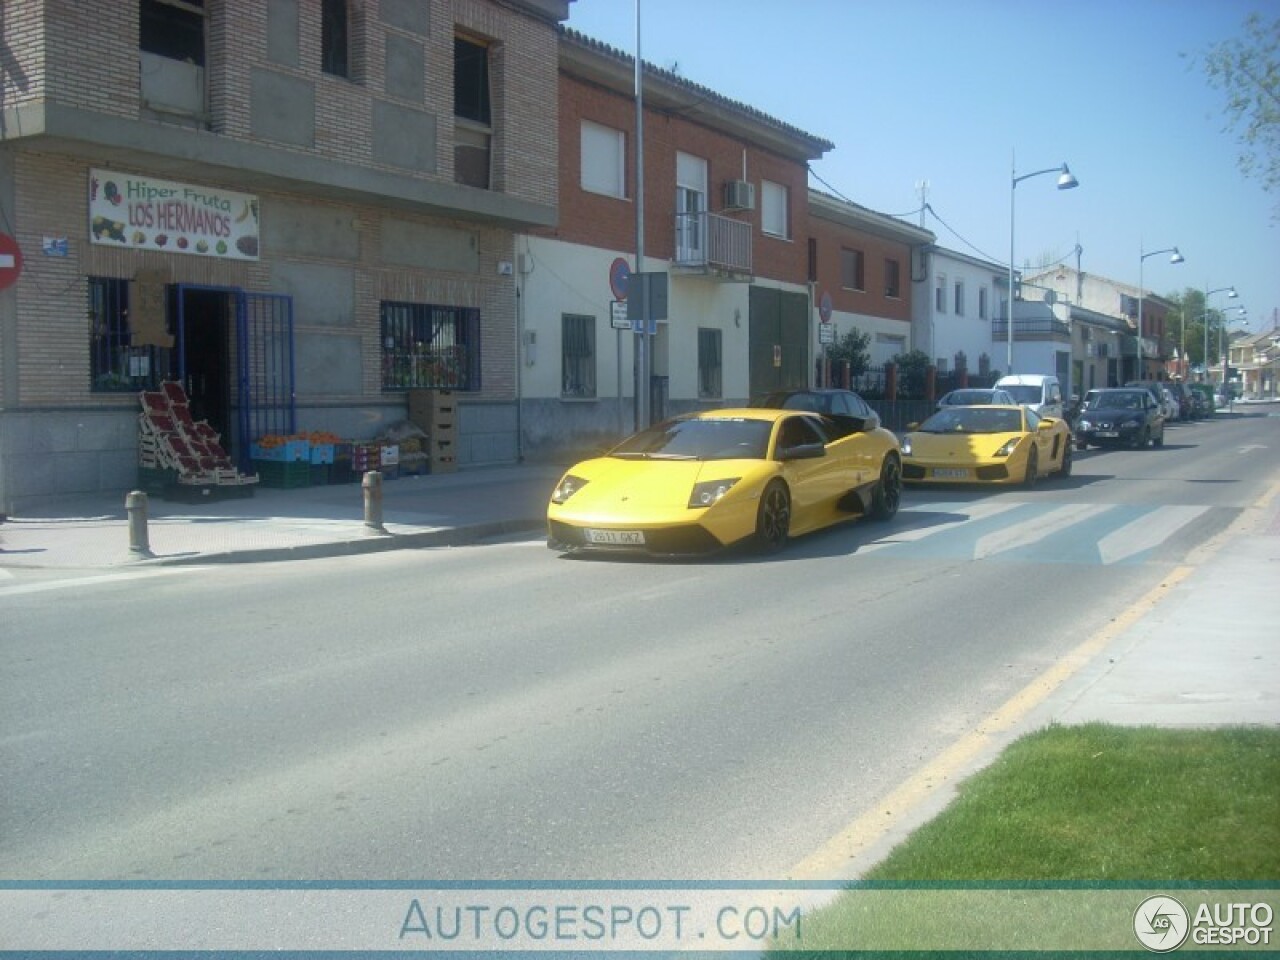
10	261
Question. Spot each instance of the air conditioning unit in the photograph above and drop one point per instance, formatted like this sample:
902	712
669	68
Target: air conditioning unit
739	195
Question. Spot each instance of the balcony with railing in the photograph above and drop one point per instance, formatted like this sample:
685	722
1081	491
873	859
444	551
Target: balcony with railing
711	245
1034	328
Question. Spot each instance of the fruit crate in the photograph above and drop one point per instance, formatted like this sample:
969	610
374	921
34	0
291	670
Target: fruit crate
283	475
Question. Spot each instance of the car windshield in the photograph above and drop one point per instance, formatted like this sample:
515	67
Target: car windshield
1128	400
962	397
973	420
1022	394
728	438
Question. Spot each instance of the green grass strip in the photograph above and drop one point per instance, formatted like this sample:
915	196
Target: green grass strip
1082	805
1109	804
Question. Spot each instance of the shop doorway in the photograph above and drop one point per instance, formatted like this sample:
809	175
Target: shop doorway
205	342
234	357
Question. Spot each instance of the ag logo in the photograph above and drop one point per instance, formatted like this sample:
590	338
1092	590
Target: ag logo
1161	924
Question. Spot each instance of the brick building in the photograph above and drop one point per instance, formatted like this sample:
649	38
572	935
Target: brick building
301	208
746	250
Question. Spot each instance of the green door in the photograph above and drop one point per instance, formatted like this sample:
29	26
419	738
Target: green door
779	340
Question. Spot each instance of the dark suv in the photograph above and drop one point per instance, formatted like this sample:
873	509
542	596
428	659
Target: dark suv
1120	416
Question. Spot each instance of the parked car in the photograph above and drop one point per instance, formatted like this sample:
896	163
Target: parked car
1042	393
1004	444
830	401
971	396
1176	389
706	480
1120	416
1203	394
1163	392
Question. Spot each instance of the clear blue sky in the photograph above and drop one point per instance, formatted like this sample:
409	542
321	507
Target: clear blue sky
949	91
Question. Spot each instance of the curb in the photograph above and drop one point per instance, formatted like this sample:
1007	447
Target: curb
374	543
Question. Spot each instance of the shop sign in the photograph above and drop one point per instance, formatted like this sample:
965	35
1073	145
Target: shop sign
144	213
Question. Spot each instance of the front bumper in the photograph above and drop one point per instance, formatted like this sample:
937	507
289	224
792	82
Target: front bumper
674	540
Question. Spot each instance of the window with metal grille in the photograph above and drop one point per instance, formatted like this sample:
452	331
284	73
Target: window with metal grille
116	362
425	345
578	355
710	366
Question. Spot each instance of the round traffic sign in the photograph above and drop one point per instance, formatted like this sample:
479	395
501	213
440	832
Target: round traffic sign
619	278
824	308
10	261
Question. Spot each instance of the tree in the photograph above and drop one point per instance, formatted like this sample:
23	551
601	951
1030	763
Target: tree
912	371
853	347
1247	70
1189	310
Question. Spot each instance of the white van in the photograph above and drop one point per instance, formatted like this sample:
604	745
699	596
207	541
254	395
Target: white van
1038	392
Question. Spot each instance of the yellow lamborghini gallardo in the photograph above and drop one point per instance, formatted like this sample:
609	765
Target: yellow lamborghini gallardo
703	481
986	444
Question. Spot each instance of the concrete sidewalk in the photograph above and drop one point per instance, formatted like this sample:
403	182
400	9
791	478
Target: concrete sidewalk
432	510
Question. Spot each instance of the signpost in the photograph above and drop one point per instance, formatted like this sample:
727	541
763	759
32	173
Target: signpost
10	261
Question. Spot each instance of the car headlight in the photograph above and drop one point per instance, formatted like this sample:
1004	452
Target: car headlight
1007	447
1086	424
1134	422
708	492
566	488
906	446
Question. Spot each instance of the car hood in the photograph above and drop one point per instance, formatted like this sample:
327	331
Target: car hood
958	446
641	487
1111	413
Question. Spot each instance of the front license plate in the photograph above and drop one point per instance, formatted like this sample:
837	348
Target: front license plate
625	538
950	474
1110	434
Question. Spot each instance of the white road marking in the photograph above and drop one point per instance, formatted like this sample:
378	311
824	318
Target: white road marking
73	583
968	511
1147	531
1031	531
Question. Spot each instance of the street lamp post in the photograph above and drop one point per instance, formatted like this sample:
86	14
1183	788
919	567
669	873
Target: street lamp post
1065	182
1176	258
1231	293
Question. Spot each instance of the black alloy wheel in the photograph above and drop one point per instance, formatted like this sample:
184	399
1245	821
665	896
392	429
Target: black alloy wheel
773	519
888	493
1033	468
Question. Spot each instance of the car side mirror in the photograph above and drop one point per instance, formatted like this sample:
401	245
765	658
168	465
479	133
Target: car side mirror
804	451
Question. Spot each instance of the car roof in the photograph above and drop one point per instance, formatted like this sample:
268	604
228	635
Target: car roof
767	414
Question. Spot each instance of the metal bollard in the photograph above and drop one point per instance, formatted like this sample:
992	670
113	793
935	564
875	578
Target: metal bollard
371	484
135	505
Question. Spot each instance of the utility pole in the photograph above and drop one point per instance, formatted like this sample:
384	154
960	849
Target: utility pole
642	330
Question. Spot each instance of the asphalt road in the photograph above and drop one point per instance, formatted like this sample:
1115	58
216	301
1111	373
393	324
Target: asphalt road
499	712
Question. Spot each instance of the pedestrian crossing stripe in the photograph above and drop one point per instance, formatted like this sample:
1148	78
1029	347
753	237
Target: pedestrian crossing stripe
1090	534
